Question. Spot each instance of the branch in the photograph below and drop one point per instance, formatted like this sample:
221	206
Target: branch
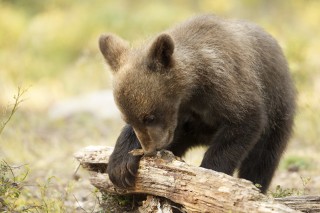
17	102
196	189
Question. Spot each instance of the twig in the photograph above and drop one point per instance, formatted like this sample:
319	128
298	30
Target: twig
17	102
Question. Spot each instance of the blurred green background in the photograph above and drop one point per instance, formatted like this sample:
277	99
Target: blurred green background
49	47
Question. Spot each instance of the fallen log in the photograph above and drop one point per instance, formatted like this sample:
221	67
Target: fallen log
196	189
308	203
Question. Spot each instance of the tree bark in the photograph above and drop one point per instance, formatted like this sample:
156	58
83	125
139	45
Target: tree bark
310	204
196	189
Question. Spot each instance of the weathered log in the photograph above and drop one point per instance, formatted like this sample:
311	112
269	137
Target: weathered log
310	204
196	189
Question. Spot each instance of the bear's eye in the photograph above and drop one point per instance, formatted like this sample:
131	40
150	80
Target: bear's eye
148	119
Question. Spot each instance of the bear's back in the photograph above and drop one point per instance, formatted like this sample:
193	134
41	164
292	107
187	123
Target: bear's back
239	58
227	37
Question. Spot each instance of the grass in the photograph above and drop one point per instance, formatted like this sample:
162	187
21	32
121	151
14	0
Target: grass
279	191
43	183
19	194
51	47
297	163
11	187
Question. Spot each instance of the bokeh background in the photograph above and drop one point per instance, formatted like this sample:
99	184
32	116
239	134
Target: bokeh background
48	48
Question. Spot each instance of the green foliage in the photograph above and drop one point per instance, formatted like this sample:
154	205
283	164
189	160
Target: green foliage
16	195
284	192
280	192
296	163
11	186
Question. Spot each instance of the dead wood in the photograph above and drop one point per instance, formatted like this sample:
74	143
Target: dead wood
196	189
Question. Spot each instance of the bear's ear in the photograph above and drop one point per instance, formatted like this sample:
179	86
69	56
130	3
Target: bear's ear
160	53
113	48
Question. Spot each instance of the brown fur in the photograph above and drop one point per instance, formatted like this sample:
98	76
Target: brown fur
208	81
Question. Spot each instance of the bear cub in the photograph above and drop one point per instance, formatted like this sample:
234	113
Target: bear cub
209	82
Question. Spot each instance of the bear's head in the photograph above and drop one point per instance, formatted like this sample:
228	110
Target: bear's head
147	87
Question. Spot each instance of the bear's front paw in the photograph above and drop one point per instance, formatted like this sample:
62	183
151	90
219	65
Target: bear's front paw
122	170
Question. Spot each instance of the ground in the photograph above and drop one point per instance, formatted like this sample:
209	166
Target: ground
46	144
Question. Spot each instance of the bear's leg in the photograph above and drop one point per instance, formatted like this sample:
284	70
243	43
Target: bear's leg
259	166
123	166
180	149
232	142
182	142
228	148
188	135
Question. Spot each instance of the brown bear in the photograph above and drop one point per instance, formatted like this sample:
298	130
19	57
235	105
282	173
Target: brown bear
208	81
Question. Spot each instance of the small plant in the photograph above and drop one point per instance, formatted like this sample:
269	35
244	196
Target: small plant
18	195
17	101
15	195
11	186
305	182
282	192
